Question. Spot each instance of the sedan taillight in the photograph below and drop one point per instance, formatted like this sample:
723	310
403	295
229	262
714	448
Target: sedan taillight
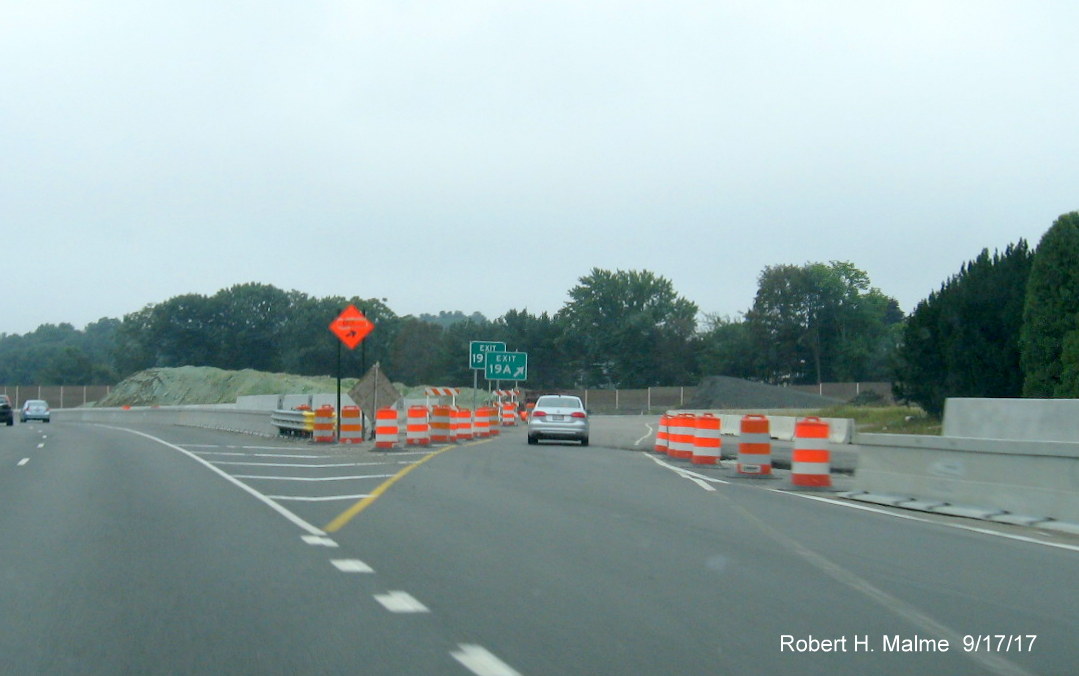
578	414
539	413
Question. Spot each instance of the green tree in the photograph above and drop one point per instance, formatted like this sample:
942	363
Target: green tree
618	324
817	322
727	348
963	341
247	324
412	354
542	337
1051	312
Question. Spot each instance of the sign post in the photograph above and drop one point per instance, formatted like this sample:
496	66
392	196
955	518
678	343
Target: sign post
351	327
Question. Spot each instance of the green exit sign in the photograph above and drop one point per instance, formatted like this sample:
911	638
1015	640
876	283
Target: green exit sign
506	366
478	349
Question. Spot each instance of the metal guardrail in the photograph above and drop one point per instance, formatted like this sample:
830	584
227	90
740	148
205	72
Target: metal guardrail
294	423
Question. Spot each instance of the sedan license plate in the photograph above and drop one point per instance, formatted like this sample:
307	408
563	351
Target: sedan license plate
556	418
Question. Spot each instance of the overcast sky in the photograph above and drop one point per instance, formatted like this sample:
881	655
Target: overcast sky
485	155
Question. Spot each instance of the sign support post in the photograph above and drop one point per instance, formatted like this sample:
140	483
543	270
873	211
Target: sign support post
351	327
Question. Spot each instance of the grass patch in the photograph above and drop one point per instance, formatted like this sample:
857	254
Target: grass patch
885	419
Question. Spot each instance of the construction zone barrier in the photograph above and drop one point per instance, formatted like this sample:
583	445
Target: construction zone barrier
754	446
482	423
462	426
417	428
442	425
662	434
683	429
492	420
442	391
811	458
509	415
351	425
707	445
325	420
386	428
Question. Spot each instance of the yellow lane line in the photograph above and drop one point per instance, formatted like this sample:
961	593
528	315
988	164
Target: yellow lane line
344	517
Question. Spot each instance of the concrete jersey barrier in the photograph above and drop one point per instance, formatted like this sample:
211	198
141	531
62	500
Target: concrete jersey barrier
840	430
1017	479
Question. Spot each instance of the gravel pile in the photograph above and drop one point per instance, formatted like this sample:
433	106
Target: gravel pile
724	392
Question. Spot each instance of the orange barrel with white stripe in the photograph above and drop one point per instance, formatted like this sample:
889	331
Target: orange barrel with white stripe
811	460
683	434
442	424
351	425
386	429
462	424
509	415
325	419
754	446
492	420
662	435
417	429
482	424
706	442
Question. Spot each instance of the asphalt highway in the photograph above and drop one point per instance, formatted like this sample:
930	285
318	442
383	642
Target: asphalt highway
165	549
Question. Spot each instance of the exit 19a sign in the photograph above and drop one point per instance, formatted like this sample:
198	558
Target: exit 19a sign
506	366
478	349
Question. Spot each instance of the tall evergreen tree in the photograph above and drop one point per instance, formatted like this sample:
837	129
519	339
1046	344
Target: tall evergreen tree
964	339
1051	314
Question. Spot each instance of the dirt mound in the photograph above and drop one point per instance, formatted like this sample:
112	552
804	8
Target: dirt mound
724	392
208	385
188	385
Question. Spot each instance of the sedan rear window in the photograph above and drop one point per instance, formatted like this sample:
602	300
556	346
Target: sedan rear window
560	402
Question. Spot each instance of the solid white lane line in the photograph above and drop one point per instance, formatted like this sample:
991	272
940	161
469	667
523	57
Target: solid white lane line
646	434
400	602
481	662
325	498
699	479
23	461
352	566
912	517
262	455
312	478
300	464
225	475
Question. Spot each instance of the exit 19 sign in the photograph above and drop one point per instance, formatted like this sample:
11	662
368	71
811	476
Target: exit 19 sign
478	349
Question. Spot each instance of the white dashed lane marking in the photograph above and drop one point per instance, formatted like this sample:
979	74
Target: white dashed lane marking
352	566
23	461
319	541
481	662
400	602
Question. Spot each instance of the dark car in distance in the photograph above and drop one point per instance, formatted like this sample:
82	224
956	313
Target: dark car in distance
7	416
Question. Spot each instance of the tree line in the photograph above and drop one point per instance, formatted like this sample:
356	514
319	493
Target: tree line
1005	325
620	328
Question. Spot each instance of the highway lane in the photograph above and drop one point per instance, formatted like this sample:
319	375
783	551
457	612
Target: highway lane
119	554
137	551
571	560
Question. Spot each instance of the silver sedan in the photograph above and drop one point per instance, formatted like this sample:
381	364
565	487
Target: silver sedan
558	416
35	409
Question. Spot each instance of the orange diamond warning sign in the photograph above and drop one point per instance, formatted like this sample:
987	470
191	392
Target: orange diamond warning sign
351	326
